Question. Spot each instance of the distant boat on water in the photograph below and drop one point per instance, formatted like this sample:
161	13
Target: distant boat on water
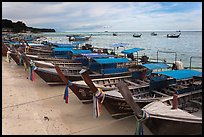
153	34
173	35
78	37
114	34
137	35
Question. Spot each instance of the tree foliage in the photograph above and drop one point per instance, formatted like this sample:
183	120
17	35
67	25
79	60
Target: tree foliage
21	27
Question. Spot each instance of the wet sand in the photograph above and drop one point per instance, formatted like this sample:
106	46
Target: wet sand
25	103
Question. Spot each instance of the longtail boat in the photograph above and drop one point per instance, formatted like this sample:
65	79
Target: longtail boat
134	80
173	115
173	35
61	64
97	68
143	95
137	35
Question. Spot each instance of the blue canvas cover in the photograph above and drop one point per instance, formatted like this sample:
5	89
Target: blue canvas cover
78	42
62	49
111	60
77	51
180	74
129	51
64	45
96	55
114	70
153	66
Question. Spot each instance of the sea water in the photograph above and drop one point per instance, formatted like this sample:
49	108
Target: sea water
188	45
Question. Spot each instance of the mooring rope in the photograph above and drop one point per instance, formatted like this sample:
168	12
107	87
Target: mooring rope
139	127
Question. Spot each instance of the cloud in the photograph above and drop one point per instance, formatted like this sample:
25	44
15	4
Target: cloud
93	16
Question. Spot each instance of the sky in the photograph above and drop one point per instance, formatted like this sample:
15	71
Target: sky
102	16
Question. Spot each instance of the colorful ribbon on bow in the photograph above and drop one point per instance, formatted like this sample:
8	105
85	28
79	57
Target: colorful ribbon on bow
20	59
8	56
97	103
32	68
25	66
66	92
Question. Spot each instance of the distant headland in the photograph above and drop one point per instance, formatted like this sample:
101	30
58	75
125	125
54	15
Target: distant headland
16	27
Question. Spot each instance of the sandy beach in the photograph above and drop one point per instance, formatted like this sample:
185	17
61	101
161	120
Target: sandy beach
26	105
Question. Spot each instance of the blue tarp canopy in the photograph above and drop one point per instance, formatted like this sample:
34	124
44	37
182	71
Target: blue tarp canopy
64	45
78	42
129	51
119	44
62	49
111	60
78	51
96	55
153	66
180	74
79	37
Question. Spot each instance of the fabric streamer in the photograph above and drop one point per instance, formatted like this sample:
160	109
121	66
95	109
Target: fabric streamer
66	93
32	68
8	56
97	103
139	128
25	66
20	59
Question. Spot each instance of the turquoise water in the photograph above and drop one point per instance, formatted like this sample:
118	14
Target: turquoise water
188	44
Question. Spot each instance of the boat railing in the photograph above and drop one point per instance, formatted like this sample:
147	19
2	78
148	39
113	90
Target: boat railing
166	52
190	67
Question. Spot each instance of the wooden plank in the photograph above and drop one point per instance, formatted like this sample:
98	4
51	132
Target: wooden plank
55	83
141	94
165	95
197	102
130	82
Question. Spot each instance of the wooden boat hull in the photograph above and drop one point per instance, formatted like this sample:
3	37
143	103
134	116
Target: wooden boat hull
168	127
4	50
15	57
61	64
33	57
118	107
84	93
168	121
52	76
39	50
49	77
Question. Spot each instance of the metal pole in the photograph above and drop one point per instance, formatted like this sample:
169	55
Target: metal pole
191	59
157	55
137	58
190	62
175	56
